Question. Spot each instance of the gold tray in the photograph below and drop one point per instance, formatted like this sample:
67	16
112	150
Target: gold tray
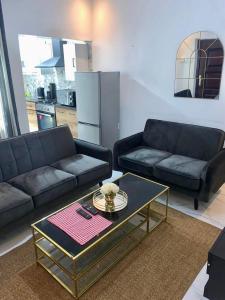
120	201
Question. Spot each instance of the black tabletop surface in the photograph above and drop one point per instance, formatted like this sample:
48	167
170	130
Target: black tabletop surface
140	192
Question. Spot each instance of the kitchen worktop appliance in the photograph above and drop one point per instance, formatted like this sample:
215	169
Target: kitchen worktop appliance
66	97
51	93
40	92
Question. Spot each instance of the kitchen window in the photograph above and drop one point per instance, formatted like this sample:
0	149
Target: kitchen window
33	51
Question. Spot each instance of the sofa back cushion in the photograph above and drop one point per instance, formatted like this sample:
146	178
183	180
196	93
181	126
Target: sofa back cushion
161	135
183	139
7	161
48	146
33	150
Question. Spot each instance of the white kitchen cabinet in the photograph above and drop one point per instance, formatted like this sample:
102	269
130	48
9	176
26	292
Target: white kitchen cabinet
76	59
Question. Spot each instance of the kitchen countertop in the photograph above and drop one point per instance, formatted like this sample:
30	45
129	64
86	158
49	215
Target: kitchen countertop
31	100
56	104
65	106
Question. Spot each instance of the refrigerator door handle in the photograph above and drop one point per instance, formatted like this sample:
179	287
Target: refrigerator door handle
89	124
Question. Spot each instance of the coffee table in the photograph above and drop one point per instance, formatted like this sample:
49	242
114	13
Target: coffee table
77	267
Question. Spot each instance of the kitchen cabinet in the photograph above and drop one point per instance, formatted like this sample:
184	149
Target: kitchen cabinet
32	116
76	58
67	116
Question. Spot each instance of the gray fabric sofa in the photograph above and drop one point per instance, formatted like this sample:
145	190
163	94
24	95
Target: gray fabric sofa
37	168
187	157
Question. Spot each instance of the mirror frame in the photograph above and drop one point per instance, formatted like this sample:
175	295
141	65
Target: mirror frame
189	95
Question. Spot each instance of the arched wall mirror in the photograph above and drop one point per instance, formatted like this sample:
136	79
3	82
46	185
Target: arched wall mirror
199	65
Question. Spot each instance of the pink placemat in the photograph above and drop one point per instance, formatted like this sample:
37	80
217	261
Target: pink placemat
76	226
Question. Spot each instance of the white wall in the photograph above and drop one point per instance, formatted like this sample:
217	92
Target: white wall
140	39
54	18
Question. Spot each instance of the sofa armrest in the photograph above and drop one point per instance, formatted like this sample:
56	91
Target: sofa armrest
213	174
124	145
94	150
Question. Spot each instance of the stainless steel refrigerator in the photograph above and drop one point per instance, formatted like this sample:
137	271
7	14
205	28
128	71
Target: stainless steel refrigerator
98	102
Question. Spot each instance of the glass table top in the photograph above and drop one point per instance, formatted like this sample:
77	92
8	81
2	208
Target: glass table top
140	192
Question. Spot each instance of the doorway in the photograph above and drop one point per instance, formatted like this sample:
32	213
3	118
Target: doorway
209	68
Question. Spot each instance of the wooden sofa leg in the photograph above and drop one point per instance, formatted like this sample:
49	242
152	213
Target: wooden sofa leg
100	183
196	203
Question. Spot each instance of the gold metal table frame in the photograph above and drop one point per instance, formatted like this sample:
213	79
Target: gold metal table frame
78	273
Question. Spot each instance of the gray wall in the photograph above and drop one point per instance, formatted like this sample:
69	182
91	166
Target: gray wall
140	39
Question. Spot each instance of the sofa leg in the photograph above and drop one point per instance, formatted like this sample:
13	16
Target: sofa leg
196	203
100	183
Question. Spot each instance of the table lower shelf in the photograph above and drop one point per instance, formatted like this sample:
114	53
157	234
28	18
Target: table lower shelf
77	275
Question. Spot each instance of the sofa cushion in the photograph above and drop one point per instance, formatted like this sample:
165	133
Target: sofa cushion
161	135
30	151
85	168
15	158
50	145
183	139
7	162
13	203
142	159
44	181
180	170
199	142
